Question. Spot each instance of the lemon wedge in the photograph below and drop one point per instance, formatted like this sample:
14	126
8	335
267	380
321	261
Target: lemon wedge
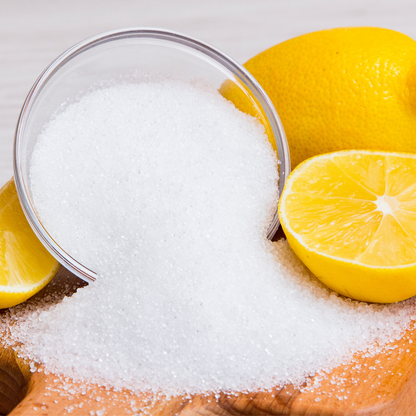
25	265
350	216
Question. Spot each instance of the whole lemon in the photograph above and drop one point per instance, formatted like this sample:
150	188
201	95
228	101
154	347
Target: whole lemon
347	88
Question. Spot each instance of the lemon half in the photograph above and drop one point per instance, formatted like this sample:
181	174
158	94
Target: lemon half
350	216
25	265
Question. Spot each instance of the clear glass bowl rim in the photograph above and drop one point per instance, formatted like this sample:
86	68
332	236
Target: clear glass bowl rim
136	32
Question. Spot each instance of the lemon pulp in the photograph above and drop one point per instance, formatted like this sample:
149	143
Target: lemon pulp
25	265
351	218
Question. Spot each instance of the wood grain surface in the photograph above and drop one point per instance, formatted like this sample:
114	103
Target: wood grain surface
383	385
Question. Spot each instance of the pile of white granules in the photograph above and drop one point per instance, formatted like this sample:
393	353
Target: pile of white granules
166	191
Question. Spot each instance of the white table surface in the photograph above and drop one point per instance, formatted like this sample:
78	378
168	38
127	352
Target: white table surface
34	32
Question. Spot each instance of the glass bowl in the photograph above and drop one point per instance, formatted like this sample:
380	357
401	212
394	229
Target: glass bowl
116	54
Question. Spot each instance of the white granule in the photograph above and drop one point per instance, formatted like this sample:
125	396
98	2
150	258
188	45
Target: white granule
166	190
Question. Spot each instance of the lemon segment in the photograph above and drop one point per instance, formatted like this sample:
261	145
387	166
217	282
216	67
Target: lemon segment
350	216
25	265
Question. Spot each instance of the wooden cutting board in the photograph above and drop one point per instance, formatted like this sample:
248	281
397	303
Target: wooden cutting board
384	385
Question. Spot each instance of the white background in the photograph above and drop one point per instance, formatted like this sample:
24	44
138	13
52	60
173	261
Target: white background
34	32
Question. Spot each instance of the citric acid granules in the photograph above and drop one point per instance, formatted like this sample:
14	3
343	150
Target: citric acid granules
166	190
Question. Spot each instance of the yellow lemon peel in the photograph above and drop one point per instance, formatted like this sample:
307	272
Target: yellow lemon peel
338	89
